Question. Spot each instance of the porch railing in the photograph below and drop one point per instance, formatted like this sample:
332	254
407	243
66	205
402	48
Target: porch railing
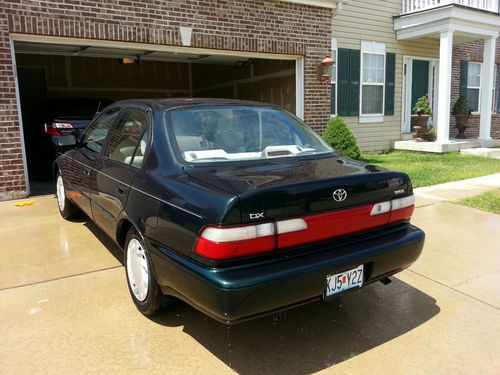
410	6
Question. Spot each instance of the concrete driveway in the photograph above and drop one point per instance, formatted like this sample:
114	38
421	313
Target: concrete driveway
65	307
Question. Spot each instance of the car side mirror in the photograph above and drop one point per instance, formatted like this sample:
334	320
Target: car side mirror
66	141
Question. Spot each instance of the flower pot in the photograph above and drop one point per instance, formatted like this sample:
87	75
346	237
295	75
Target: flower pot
461	122
420	128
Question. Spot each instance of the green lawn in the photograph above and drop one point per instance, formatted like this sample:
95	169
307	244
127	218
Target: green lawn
429	169
489	201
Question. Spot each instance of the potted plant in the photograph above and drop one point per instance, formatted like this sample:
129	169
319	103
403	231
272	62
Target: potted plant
421	113
461	111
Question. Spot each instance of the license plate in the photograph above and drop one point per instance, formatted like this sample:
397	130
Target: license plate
345	280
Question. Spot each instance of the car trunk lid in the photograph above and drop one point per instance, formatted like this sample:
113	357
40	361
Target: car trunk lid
281	188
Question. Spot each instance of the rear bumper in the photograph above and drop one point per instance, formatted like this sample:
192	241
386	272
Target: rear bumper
239	293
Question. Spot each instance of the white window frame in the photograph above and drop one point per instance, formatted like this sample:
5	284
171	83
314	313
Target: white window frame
335	81
476	87
493	104
375	49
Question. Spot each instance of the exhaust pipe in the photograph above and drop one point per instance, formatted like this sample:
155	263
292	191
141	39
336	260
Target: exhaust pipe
385	281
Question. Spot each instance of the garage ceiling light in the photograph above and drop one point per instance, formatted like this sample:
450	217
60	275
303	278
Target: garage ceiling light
127	60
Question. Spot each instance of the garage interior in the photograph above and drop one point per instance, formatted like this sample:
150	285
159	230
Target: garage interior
53	71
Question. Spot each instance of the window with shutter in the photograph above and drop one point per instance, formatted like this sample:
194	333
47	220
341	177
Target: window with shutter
373	69
390	77
354	72
474	86
343	82
464	69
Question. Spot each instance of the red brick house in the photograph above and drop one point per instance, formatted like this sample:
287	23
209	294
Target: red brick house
264	50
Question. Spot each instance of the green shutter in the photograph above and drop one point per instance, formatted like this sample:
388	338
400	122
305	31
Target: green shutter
498	88
343	82
464	70
354	73
390	77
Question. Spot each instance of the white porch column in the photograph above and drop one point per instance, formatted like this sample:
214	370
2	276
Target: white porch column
486	99
444	87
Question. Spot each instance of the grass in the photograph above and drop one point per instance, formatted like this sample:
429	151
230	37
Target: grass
489	201
429	169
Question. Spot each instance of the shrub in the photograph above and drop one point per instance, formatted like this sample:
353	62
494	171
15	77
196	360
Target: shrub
461	107
338	135
422	106
431	133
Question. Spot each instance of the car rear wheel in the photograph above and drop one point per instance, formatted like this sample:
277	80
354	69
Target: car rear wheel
141	281
67	208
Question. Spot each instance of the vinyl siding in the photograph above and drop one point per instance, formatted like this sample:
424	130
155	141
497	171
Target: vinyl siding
373	21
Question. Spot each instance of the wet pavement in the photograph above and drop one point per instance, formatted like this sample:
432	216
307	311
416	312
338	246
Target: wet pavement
65	307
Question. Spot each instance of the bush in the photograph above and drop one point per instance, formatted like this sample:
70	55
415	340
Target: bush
338	135
461	107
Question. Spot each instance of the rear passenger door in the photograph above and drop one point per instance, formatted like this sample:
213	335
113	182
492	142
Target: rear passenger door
115	170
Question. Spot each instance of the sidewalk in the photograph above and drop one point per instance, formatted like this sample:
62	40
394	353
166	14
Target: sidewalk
457	190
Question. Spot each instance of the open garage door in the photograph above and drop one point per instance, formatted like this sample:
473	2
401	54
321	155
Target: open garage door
65	84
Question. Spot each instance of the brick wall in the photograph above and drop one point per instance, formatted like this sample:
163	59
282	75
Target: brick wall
471	51
250	25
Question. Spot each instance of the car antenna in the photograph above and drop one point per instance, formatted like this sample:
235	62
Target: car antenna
98	106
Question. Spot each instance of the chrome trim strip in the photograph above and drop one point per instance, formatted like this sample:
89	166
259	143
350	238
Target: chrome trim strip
136	189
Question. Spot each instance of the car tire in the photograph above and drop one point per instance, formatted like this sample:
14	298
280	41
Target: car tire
67	208
141	280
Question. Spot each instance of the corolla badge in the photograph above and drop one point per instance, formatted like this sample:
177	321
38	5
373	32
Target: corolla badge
340	195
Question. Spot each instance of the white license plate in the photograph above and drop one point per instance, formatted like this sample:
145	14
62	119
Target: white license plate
345	280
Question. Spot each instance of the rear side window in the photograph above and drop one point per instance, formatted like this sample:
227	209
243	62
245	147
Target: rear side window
96	133
129	141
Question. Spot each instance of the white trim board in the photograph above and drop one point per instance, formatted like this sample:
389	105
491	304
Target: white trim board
331	4
142	46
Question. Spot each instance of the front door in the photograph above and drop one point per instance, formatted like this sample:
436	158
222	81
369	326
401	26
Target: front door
419	81
420	78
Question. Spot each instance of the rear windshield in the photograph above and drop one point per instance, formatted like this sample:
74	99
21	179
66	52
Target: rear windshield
230	133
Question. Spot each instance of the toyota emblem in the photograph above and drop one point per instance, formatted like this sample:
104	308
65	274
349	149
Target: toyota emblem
340	195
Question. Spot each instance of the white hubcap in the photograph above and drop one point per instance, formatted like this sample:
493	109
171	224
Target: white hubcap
137	269
60	193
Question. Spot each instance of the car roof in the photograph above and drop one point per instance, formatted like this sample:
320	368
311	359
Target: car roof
183	102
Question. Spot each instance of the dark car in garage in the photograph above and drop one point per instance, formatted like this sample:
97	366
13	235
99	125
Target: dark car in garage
54	118
236	207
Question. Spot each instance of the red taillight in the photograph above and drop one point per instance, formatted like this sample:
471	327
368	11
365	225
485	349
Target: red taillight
234	249
57	128
220	243
233	242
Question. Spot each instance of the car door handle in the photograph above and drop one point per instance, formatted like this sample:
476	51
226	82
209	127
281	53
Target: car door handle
121	190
